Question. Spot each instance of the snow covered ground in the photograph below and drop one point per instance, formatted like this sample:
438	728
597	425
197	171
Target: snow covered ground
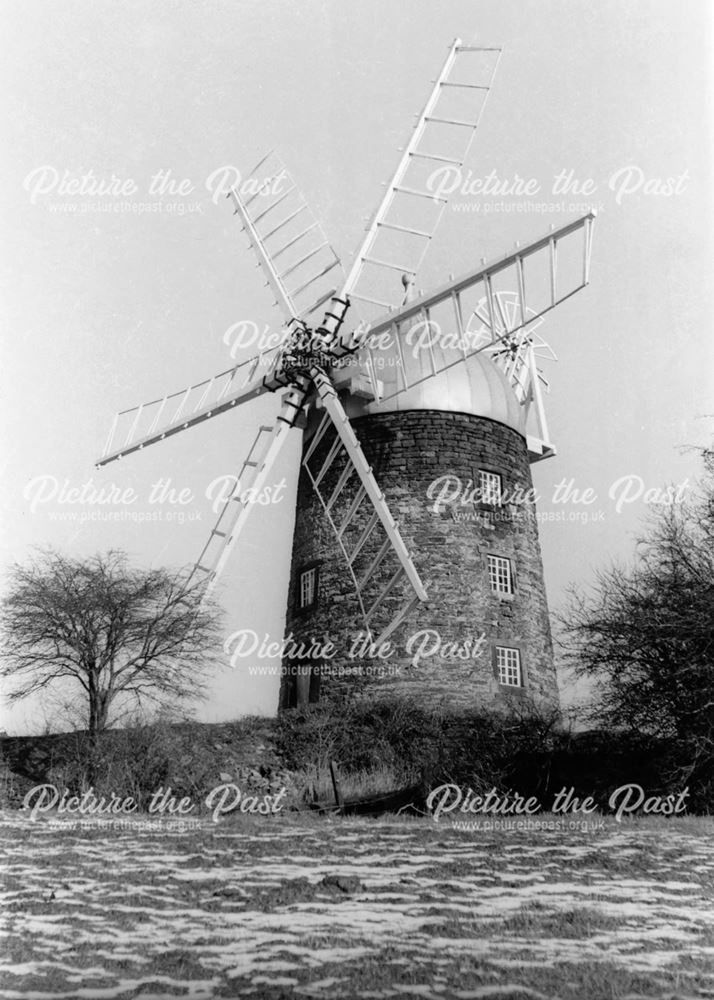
247	907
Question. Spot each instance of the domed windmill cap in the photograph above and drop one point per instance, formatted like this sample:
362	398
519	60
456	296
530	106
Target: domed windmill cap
475	386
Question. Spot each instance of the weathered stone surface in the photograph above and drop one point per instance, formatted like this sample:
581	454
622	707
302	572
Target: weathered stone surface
408	452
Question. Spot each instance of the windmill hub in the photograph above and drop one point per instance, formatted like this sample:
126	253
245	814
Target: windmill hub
304	351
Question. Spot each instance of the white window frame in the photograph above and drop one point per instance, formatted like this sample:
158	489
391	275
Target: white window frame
500	575
307	587
508	666
490	487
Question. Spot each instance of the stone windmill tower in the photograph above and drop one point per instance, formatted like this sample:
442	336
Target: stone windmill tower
415	560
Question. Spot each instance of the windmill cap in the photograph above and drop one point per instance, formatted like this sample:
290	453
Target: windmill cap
475	386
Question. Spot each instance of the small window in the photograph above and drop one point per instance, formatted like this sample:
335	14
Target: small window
489	484
307	588
499	575
508	666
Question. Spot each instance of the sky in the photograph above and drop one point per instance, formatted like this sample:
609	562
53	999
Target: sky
111	300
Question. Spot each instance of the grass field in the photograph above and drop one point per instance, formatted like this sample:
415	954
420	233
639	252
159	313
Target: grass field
249	907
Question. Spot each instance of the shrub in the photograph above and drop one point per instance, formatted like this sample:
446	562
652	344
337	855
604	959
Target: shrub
401	737
188	757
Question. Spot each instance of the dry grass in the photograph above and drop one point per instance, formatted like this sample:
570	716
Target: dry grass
316	783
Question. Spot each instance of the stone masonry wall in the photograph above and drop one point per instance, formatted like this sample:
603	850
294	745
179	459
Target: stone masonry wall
464	620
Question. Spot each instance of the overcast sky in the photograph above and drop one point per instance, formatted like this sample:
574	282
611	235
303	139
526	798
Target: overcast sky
103	309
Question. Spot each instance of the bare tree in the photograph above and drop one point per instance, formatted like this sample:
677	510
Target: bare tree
115	631
646	632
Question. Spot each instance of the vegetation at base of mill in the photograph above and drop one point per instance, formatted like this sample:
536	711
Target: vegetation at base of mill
409	743
384	745
379	747
189	758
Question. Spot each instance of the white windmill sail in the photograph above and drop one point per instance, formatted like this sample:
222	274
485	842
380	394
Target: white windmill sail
300	266
415	198
150	422
367	533
435	331
236	507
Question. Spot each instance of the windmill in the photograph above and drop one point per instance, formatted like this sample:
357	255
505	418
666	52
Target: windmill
364	351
